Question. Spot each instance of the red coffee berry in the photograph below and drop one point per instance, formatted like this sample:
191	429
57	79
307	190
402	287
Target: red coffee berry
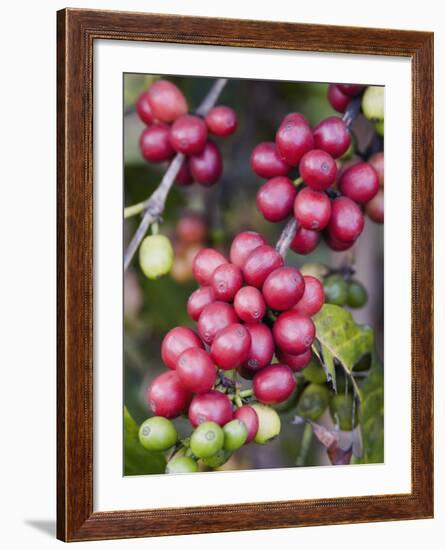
249	304
295	362
196	370
260	262
375	207
205	263
346	221
338	99
221	121
294	138
198	300
175	342
248	416
332	135
213	318
283	288
313	297
318	169
155	144
273	384
266	162
166	395
292	117
188	134
243	244
231	346
377	161
166	101
143	109
360	182
312	209
184	176
206	166
226	281
191	228
336	244
350	89
293	332
305	240
261	348
212	406
275	198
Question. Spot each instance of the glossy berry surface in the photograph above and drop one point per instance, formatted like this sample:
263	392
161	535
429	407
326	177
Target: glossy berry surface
360	182
166	395
338	99
269	423
262	261
231	346
294	138
275	198
346	221
143	109
293	332
181	465
313	297
318	169
175	342
273	384
335	290
205	263
188	134
377	161
332	135
235	435
249	418
350	89
206	440
221	121
357	295
155	256
206	166
243	244
198	300
226	280
295	362
261	348
249	304
212	406
375	208
336	244
154	143
305	240
283	288
166	101
266	162
213	318
312	209
157	434
196	370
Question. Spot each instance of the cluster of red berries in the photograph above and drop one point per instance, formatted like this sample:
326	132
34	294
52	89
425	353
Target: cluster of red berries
171	129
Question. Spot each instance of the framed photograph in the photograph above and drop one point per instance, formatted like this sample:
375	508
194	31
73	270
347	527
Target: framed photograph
245	328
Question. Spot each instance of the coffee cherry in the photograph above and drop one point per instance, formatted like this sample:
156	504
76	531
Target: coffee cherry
206	166
346	221
188	134
196	370
294	138
375	208
221	121
273	384
206	440
357	295
157	434
350	89
143	109
275	198
167	396
166	101
155	256
226	281
373	103
261	349
332	135
198	300
235	435
184	176
337	245
181	465
313	297
283	288
377	161
191	228
212	406
249	304
341	407
293	332
243	244
175	342
248	416
269	424
231	346
313	402
262	261
295	362
154	143
305	240
205	263
215	317
312	209
266	162
360	182
318	169
218	459
338	99
335	290
314	269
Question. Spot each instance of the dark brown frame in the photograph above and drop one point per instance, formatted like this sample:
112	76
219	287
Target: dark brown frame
77	30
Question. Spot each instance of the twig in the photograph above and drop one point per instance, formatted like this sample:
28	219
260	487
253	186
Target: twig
286	237
155	204
352	111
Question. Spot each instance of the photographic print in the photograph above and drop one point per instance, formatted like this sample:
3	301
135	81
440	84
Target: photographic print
253	274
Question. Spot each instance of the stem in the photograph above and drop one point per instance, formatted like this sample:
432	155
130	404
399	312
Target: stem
352	111
155	204
246	393
134	210
305	445
286	237
298	181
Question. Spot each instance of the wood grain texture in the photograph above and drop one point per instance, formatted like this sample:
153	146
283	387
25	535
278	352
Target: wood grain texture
77	30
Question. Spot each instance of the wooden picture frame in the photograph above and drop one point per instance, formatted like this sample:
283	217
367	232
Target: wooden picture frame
76	32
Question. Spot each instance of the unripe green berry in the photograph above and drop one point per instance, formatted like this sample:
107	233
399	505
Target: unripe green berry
155	256
313	401
235	435
357	295
314	270
373	103
181	465
380	127
269	423
157	434
218	459
206	440
335	290
314	372
341	406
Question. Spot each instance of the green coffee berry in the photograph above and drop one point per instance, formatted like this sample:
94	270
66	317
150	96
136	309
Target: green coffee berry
269	423
335	290
313	401
155	256
373	103
315	270
218	459
235	435
157	434
206	440
357	295
181	465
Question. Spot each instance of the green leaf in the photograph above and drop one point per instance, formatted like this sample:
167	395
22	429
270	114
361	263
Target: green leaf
137	460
